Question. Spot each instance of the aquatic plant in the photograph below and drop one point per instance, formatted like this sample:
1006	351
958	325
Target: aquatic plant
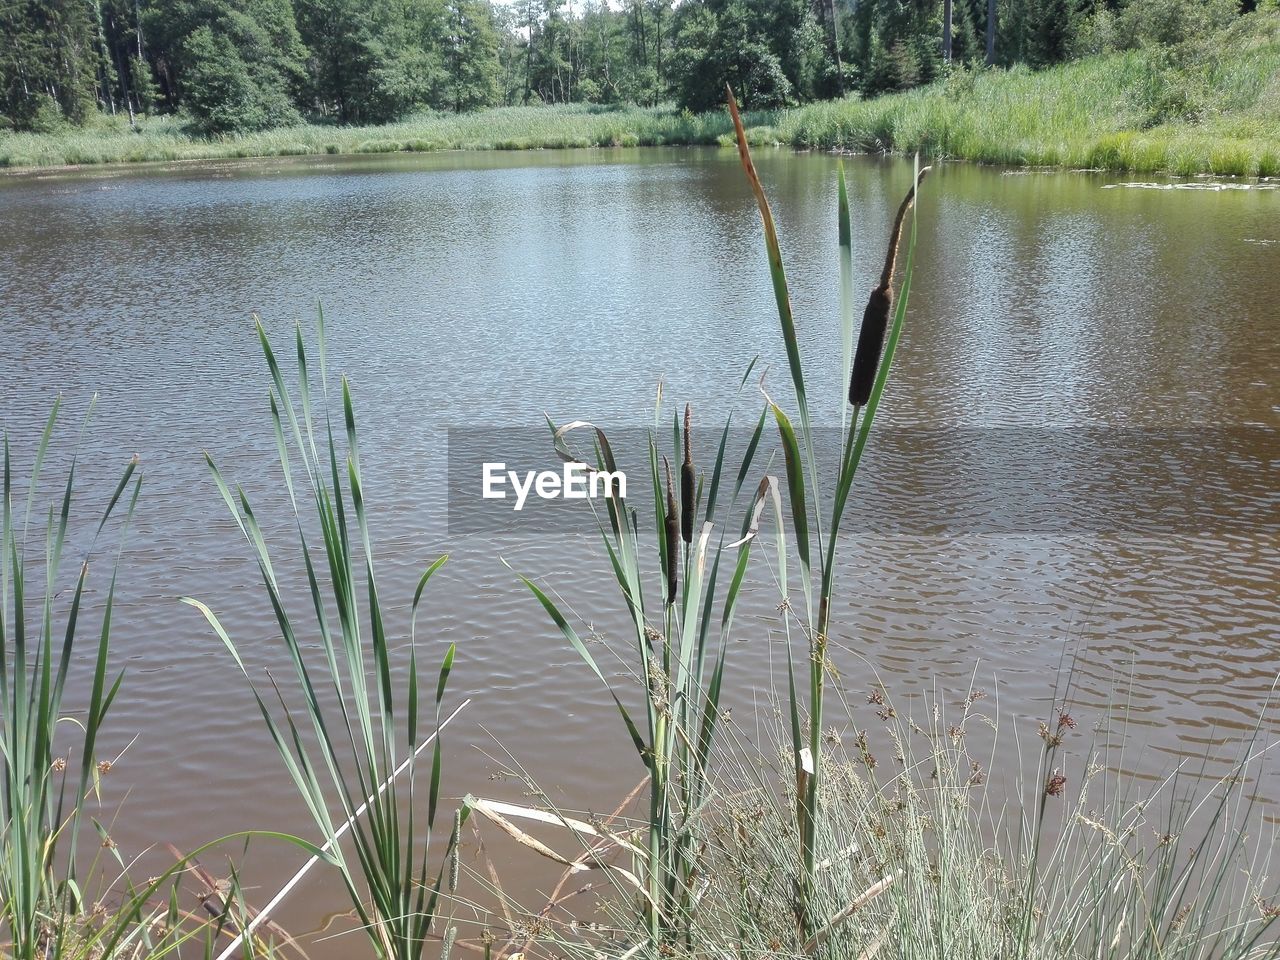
52	903
680	652
804	483
347	744
42	792
1072	857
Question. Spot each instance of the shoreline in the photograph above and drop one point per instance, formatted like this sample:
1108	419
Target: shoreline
125	167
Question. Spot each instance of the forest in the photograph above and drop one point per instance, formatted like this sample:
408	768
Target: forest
236	66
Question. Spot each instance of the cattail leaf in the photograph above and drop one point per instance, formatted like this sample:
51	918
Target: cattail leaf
842	214
575	641
795	486
776	271
422	585
446	667
433	796
767	492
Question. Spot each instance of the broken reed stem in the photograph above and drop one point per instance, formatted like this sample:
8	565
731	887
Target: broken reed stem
856	904
673	536
687	482
875	319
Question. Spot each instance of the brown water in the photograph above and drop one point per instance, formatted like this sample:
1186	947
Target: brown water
489	288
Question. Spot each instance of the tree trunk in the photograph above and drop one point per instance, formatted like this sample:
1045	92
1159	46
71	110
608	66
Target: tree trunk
991	32
946	31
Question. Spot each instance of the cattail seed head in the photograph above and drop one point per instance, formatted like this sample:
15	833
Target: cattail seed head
687	482
875	319
673	535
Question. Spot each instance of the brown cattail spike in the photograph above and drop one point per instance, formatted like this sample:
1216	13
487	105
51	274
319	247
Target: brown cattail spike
687	483
875	319
673	534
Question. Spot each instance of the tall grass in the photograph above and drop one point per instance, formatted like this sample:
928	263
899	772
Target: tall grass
357	726
502	128
926	855
51	903
42	793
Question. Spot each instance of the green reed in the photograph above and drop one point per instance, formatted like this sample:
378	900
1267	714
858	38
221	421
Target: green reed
42	794
679	632
357	726
47	781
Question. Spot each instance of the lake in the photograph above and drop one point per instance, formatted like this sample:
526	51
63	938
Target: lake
475	292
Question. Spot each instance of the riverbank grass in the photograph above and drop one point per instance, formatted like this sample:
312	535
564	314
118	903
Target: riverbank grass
503	128
1135	111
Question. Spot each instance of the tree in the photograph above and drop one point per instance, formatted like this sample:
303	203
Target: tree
48	62
473	66
772	52
247	50
374	61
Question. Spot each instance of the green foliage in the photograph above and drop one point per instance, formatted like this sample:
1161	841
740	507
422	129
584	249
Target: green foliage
771	54
40	629
471	55
1174	108
235	64
222	92
47	56
145	90
351	743
269	62
1172	22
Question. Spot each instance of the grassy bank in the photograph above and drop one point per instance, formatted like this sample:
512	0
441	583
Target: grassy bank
503	128
1213	110
1150	110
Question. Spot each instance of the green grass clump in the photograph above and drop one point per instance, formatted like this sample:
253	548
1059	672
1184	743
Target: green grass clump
51	620
379	146
921	858
353	766
40	630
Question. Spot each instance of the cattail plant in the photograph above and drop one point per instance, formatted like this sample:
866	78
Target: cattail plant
803	482
681	642
382	726
875	318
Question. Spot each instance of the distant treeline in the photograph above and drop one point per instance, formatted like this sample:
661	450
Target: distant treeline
242	65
